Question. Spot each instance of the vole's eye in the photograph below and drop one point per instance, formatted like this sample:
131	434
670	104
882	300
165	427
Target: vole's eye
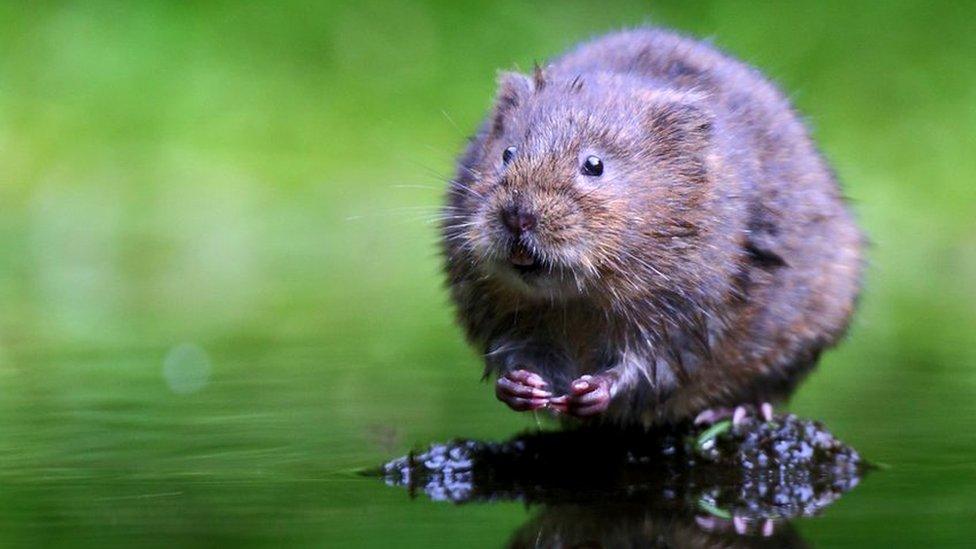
508	154
592	166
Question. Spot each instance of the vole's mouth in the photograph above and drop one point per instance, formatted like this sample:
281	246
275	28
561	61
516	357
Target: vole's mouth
523	260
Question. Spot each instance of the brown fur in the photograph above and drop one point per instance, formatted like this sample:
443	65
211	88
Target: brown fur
709	265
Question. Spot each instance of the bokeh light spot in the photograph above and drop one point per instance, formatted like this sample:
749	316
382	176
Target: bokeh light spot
186	368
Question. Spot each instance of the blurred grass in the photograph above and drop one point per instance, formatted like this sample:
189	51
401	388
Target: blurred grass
257	180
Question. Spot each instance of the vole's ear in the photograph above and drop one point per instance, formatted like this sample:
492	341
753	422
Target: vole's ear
685	125
513	89
680	128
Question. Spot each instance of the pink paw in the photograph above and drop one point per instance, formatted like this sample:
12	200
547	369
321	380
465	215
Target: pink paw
522	390
588	396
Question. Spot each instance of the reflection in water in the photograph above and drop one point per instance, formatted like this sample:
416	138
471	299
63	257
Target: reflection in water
631	525
721	486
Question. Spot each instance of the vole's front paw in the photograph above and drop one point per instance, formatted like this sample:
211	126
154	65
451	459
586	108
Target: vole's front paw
588	396
522	390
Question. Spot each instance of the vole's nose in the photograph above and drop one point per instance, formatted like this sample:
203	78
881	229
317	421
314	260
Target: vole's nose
518	221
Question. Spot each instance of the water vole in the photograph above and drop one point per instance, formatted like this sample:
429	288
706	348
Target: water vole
642	230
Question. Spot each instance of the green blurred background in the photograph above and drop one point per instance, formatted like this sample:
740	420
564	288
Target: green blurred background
219	277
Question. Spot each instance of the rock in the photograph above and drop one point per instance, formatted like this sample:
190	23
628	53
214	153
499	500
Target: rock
758	470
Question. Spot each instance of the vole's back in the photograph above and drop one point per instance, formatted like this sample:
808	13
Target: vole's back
806	249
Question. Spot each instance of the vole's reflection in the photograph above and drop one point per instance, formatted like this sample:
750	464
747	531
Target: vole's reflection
631	525
737	487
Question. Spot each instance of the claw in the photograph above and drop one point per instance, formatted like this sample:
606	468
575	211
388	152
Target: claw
527	378
712	415
589	395
739	416
522	390
706	416
516	388
706	523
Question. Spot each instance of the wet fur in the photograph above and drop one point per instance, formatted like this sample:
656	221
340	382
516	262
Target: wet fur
711	263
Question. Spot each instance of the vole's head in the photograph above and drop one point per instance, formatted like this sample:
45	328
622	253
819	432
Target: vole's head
584	185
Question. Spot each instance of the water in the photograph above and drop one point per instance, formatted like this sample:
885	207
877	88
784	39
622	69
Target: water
221	297
104	449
